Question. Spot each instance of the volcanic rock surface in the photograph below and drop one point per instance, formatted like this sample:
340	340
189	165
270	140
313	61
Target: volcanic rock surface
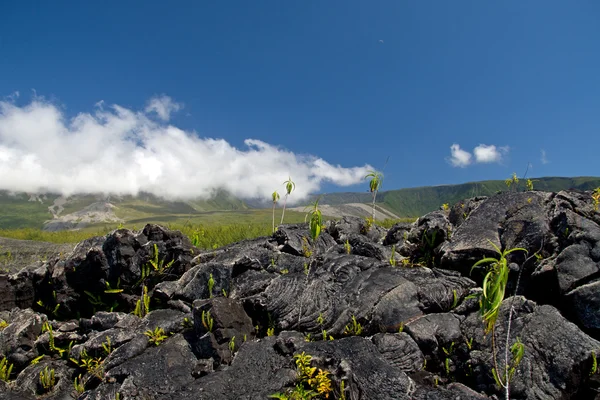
394	315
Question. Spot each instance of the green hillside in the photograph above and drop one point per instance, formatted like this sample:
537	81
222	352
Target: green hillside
414	202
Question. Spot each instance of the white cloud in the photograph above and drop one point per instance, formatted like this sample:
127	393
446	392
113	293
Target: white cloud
483	154
489	154
163	106
459	157
121	151
544	158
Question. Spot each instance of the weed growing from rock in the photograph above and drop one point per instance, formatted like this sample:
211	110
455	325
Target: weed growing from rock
142	306
207	321
157	336
5	369
593	369
78	384
312	382
374	186
159	266
494	285
47	379
347	247
211	285
289	188
596	198
354	328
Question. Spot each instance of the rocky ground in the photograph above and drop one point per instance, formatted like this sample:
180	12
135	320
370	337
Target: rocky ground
17	254
145	315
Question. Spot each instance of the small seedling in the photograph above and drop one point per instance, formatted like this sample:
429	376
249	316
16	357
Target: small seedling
78	384
232	345
455	299
393	256
159	266
107	346
211	285
354	328
5	370
187	323
374	186
289	188
469	343
596	198
157	336
3	324
142	306
47	379
593	370
347	247
208	321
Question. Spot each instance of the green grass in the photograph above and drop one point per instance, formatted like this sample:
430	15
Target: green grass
210	230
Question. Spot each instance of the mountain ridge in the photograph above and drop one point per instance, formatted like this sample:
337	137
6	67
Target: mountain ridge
56	212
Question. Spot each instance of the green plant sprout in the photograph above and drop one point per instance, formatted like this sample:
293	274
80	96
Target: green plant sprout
5	370
374	186
110	290
367	225
78	384
156	336
207	321
596	198
47	327
455	299
275	198
312	382
289	188
494	284
529	184
353	328
142	306
231	345
159	266
593	369
36	360
107	346
3	324
92	365
393	256
315	222
347	247
211	285
47	379
512	181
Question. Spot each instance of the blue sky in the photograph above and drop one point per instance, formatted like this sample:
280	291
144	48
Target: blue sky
347	82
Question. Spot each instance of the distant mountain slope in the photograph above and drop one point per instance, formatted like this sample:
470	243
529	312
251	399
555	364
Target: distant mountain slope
54	212
414	202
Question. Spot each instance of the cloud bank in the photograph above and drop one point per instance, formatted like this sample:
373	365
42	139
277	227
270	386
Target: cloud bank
482	154
115	150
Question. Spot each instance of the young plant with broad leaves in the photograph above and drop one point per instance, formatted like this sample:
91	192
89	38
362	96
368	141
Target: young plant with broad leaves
275	197
494	289
374	186
289	188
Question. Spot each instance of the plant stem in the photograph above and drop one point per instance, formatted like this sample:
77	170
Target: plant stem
283	212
